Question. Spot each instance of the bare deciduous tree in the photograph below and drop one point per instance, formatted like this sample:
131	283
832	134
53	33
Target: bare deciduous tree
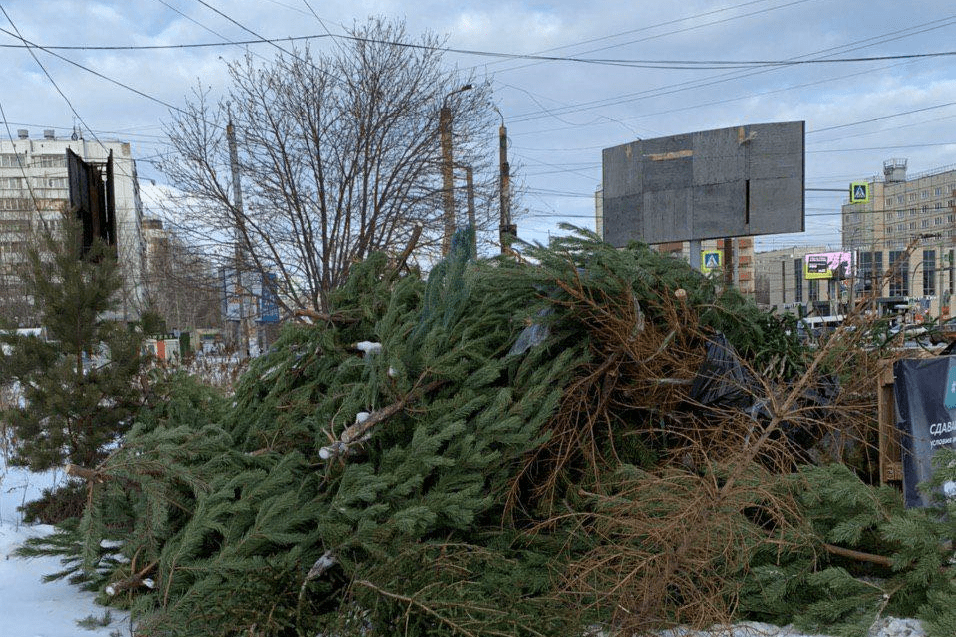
339	155
181	286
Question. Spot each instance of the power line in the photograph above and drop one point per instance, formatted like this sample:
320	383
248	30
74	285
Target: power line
162	47
882	117
31	46
725	77
666	64
674	32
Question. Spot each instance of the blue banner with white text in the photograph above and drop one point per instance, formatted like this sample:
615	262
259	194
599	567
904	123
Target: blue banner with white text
925	391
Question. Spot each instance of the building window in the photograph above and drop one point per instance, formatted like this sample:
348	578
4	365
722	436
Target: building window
939	205
12	203
938	191
912	196
889	202
950	218
900	278
798	280
13	183
938	221
924	194
50	161
871	269
14	225
51	182
929	272
899	199
924	223
901	227
12	160
900	214
813	290
924	209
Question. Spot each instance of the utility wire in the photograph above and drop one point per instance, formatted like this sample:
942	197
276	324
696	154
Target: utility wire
725	77
882	117
677	31
56	86
167	47
666	64
31	46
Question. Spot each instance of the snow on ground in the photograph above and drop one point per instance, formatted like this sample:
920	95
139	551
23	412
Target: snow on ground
29	607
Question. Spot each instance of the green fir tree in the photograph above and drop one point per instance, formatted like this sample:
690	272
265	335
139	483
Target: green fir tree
77	383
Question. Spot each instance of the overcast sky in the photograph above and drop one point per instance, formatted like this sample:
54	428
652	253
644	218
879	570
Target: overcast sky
559	113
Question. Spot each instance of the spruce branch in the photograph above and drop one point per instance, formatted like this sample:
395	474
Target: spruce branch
360	431
138	579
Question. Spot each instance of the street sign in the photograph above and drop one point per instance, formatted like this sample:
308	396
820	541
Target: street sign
709	261
859	192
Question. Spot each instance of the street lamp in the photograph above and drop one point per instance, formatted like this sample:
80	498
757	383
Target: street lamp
448	192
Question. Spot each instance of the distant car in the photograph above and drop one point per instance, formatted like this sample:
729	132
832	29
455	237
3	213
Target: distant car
911	330
945	332
914	335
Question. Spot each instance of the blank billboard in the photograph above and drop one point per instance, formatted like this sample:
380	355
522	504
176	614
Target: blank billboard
728	182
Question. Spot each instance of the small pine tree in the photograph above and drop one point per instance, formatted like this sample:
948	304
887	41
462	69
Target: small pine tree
77	383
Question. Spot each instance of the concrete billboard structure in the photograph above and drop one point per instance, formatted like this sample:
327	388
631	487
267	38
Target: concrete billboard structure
728	182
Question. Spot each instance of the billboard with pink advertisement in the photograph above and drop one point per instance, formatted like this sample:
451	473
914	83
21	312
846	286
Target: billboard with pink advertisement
828	265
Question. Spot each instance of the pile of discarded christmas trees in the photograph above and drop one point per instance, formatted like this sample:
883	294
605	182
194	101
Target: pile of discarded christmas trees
580	438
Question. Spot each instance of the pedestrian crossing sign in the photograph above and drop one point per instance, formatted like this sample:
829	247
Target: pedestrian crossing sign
709	261
859	192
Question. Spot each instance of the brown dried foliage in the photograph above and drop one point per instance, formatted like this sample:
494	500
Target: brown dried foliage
670	540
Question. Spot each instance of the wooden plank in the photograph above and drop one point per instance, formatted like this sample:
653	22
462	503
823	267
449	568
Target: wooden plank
676	154
890	449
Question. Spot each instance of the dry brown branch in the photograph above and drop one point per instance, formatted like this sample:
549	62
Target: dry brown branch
630	356
859	556
402	261
90	475
135	580
671	541
324	317
359	431
426	608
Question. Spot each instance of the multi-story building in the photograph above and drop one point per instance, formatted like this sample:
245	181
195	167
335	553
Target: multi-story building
781	283
34	185
906	229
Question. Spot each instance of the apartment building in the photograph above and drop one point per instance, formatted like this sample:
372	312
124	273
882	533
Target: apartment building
903	237
34	185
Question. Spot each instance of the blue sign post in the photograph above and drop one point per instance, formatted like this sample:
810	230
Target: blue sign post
268	301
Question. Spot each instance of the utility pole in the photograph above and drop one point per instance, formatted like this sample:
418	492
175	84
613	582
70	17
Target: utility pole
471	209
242	336
506	230
448	193
730	276
447	170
